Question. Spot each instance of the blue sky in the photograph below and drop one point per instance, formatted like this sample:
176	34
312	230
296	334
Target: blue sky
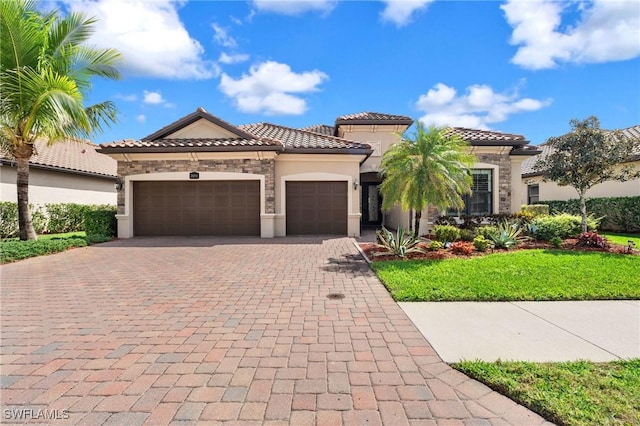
524	67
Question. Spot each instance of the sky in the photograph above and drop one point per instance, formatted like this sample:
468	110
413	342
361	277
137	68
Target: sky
519	66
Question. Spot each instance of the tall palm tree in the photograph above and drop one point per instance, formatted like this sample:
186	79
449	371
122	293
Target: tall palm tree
45	73
430	167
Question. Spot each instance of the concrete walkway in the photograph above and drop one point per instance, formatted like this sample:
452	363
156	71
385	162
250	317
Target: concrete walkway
223	331
530	331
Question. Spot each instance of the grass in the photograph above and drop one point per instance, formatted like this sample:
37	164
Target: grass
567	393
14	249
623	238
519	275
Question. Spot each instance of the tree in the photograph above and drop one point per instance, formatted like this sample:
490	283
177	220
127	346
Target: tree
587	156
427	168
46	69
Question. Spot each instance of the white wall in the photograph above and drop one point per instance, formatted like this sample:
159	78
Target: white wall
56	187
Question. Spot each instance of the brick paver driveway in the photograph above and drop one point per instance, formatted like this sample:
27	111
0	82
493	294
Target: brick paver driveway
190	330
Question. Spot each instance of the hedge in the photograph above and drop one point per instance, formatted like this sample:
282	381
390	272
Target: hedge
100	224
621	214
49	218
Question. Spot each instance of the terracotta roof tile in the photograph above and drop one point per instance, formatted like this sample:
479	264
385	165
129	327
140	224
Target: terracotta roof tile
474	135
374	118
188	144
73	156
323	129
296	139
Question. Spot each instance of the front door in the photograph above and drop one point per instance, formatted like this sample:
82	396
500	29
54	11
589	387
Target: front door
371	204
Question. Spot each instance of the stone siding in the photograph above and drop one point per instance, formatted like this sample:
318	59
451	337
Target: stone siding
259	167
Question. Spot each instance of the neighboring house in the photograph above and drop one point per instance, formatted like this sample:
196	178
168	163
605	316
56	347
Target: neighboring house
70	171
534	190
203	176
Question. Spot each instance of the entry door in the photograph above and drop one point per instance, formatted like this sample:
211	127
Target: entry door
371	204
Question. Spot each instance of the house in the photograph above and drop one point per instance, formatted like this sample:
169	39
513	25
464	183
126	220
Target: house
71	171
534	190
203	176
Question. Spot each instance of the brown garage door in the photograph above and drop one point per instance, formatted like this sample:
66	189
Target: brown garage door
196	208
316	208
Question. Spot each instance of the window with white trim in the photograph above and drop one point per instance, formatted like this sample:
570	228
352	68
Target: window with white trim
480	201
533	194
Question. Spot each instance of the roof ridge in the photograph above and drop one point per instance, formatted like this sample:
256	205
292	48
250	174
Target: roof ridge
338	138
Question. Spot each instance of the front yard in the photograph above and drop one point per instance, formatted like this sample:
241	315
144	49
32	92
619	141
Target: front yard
519	275
567	393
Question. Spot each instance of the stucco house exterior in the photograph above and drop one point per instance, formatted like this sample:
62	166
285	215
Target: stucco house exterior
70	171
204	176
534	190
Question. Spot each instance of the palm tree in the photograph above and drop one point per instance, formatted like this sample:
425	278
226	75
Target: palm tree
45	73
429	168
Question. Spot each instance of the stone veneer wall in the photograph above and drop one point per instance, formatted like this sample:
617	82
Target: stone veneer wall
260	167
503	161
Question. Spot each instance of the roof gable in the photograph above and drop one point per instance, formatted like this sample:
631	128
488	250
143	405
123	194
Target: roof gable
184	127
482	137
368	117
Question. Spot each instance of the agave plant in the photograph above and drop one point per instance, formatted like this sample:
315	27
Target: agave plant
399	245
507	235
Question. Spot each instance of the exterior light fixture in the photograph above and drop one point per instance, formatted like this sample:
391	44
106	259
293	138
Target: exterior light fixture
118	185
355	184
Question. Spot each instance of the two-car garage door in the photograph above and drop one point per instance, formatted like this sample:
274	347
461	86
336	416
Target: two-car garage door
196	208
210	208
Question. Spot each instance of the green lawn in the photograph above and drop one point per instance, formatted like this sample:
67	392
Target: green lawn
518	275
567	393
623	238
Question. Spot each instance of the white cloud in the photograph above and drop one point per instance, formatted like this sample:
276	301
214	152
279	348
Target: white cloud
126	98
150	36
153	98
141	118
222	37
605	31
477	108
400	12
272	88
233	58
294	7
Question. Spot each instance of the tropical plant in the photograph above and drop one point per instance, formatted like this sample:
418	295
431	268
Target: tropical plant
487	231
507	235
399	245
446	233
46	69
561	225
591	239
429	167
556	242
481	243
435	245
587	156
461	247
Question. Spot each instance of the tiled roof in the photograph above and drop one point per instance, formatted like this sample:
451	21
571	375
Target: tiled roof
323	129
373	118
529	163
296	139
474	135
74	156
192	144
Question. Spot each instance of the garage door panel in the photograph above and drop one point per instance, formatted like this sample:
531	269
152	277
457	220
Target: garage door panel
197	208
316	208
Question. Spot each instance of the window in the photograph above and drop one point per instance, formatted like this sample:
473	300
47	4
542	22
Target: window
480	201
533	194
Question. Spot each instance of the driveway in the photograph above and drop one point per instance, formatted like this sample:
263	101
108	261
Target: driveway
186	330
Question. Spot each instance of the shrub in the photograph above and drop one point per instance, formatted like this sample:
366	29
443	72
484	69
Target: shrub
100	223
67	217
536	209
461	247
467	235
507	236
487	231
8	219
481	243
435	245
591	239
398	245
446	233
556	242
13	250
561	225
618	213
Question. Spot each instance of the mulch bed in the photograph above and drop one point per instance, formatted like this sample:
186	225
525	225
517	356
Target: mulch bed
370	249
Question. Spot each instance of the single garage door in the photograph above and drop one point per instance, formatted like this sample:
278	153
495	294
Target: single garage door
196	208
316	208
